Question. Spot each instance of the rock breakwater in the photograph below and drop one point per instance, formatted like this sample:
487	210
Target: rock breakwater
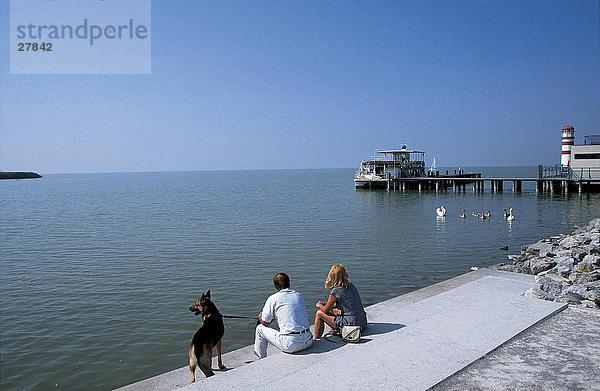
566	267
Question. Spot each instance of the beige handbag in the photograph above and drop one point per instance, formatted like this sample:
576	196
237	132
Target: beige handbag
351	333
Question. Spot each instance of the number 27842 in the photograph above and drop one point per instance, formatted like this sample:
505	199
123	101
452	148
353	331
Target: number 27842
34	47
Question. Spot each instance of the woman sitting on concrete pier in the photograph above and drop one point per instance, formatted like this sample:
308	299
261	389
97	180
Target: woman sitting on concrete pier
343	306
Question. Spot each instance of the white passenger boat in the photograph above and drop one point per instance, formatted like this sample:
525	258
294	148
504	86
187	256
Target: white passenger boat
368	181
389	164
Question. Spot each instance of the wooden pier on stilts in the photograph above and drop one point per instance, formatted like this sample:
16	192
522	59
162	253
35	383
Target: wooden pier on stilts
404	170
477	184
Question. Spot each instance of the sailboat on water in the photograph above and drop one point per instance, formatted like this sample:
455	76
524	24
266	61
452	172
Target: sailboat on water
433	169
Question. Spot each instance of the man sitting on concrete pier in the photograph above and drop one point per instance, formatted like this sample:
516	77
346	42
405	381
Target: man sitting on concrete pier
287	308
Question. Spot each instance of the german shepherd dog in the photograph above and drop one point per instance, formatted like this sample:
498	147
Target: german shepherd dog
208	336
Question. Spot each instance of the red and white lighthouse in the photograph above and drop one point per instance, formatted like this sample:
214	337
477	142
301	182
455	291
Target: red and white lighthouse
568	139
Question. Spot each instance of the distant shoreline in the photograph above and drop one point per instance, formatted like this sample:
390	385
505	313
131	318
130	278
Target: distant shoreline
19	175
187	171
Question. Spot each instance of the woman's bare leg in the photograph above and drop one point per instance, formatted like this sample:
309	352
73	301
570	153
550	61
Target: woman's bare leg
320	319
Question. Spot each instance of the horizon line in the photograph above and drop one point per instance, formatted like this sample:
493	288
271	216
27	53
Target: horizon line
236	169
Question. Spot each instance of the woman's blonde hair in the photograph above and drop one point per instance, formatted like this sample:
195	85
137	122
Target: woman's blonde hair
337	277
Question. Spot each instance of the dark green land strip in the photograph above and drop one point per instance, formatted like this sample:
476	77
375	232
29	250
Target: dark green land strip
19	175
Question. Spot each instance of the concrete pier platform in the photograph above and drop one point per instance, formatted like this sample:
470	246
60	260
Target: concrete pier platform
560	353
413	342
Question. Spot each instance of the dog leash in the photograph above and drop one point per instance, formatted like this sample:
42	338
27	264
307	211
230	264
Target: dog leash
239	317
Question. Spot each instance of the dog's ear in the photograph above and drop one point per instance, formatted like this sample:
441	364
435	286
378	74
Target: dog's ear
208	294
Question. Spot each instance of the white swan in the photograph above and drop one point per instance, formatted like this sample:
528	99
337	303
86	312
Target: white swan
441	211
510	216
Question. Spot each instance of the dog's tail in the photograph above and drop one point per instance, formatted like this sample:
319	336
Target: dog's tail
193	362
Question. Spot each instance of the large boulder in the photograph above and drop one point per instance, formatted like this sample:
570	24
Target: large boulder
577	291
537	293
564	266
589	263
593	259
564	253
591	237
567	298
545	253
541	246
515	258
571	241
594	224
579	253
589	304
552	284
538	265
578	277
507	268
593	291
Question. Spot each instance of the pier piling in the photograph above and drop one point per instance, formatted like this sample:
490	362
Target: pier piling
477	184
517	186
539	186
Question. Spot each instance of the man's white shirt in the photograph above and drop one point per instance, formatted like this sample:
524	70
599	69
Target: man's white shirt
287	307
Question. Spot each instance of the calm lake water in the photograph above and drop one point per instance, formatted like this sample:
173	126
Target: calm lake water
98	270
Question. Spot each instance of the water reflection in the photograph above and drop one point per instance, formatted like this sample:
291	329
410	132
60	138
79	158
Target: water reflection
440	224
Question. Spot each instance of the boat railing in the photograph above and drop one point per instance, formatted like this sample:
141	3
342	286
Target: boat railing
378	159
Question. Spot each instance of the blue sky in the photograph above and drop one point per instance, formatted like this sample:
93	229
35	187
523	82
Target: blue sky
284	84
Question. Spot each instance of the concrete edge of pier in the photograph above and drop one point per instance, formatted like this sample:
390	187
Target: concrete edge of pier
413	341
